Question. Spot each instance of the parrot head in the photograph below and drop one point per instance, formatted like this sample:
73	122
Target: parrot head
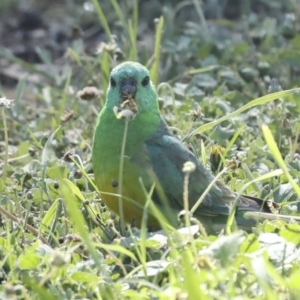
131	81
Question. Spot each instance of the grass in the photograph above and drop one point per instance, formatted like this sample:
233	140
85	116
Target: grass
59	241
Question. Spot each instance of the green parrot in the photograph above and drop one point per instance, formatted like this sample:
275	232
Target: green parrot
153	156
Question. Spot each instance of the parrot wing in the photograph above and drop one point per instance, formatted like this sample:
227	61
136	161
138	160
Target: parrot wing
167	155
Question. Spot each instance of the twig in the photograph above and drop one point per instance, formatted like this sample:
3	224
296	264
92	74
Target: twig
27	226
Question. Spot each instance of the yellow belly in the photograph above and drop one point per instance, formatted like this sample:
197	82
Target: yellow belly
133	197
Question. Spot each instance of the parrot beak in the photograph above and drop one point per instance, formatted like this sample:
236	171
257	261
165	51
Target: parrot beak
128	88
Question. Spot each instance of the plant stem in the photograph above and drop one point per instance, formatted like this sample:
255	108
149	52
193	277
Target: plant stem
6	145
186	199
120	186
27	226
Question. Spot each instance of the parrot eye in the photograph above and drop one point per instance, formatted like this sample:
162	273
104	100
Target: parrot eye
113	83
145	81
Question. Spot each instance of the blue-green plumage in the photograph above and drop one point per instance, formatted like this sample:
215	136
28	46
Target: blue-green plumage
154	155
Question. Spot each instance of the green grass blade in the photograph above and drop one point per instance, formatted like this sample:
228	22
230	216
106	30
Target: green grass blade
277	156
102	19
135	17
231	217
49	217
120	14
64	98
133	48
253	103
232	141
27	66
105	70
158	37
202	70
72	196
75	56
200	15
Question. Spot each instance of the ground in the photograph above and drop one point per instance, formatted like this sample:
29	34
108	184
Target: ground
216	65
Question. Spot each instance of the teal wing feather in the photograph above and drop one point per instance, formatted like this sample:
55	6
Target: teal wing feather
167	155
